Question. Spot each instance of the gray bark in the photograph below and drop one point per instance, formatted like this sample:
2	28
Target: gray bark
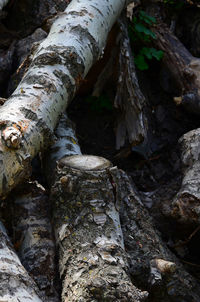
152	265
185	207
16	284
33	237
92	258
129	98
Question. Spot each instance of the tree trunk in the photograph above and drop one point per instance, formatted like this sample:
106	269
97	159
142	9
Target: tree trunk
92	259
16	284
32	236
76	40
152	265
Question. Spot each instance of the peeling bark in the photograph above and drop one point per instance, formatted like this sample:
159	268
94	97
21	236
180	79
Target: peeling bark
16	284
129	98
32	236
76	40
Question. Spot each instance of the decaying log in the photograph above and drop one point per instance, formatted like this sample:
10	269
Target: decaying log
76	40
92	259
129	98
152	265
16	284
33	237
185	207
183	67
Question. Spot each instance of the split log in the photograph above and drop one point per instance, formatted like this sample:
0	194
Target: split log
152	265
33	236
16	284
92	259
76	40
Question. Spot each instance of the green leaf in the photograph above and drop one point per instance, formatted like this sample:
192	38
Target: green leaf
139	27
146	51
157	54
141	63
146	18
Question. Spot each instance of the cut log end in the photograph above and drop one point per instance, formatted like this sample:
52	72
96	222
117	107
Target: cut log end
85	162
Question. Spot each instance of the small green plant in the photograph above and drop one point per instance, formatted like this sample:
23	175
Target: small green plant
99	104
141	34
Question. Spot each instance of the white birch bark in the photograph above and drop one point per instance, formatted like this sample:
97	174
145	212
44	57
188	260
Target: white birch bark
76	40
16	284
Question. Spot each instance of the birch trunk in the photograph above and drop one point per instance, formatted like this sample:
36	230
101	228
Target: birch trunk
76	40
33	236
92	259
16	284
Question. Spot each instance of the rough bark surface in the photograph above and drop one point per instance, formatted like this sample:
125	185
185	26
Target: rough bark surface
16	284
152	265
92	258
33	237
76	40
185	207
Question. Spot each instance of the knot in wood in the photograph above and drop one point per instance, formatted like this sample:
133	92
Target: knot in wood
12	137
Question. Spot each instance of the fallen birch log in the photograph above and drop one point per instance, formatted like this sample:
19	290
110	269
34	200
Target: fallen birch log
92	259
76	40
33	236
16	284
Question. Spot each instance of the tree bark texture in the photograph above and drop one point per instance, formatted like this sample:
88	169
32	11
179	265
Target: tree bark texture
92	258
16	284
33	236
185	207
152	266
76	40
129	98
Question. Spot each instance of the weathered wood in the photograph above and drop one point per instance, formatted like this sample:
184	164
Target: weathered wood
185	207
129	99
152	265
92	258
16	284
33	236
